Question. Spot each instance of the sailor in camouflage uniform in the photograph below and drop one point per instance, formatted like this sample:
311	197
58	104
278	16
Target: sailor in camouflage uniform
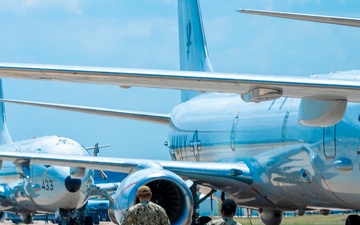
145	212
228	209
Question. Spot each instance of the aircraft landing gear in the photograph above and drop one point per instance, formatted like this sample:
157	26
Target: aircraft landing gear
64	213
82	219
352	219
197	219
70	217
194	190
27	218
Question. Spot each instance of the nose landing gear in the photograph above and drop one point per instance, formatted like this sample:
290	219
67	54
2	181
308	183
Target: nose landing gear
74	217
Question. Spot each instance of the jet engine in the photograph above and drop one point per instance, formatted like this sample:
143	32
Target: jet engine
271	217
168	190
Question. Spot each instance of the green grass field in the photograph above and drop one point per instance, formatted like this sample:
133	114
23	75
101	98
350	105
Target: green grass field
302	220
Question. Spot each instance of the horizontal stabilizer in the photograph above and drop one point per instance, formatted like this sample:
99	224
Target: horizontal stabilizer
142	116
345	21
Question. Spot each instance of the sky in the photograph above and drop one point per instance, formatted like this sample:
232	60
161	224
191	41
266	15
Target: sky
143	34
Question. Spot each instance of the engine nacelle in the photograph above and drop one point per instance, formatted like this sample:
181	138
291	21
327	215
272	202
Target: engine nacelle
271	217
168	190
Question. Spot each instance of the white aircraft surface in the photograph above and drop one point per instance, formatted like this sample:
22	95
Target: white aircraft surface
272	143
28	188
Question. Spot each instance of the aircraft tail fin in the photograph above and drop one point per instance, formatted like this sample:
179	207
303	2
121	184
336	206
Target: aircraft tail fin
193	50
4	133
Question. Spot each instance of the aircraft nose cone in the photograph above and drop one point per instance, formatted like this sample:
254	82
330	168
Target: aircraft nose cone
72	185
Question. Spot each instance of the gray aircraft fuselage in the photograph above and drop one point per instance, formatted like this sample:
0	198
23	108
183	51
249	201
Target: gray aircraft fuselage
293	166
44	188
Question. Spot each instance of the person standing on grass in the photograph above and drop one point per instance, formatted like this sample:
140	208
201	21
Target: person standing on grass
228	209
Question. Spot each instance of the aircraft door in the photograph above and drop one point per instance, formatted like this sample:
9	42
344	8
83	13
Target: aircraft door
329	141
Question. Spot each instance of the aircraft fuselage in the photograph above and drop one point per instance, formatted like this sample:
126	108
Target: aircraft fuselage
308	164
31	188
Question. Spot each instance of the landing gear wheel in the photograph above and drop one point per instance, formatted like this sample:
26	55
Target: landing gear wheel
352	220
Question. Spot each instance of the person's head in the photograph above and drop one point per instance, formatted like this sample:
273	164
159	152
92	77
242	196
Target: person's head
228	208
144	193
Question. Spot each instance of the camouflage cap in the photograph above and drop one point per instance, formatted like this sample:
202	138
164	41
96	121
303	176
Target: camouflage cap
143	190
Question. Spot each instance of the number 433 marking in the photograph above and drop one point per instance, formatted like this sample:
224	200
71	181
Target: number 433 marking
47	185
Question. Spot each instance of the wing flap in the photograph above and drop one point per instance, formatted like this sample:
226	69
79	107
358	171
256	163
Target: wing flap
287	86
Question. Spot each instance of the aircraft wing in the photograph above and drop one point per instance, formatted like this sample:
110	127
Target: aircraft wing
253	88
345	21
135	115
207	173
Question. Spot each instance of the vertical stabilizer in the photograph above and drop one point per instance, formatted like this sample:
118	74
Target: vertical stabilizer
193	51
4	133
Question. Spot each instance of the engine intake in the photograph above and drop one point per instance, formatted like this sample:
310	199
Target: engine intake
168	190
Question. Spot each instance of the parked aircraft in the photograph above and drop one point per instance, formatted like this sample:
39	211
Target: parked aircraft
273	143
28	188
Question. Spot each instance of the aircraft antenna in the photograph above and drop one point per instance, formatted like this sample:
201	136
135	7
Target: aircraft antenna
96	151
